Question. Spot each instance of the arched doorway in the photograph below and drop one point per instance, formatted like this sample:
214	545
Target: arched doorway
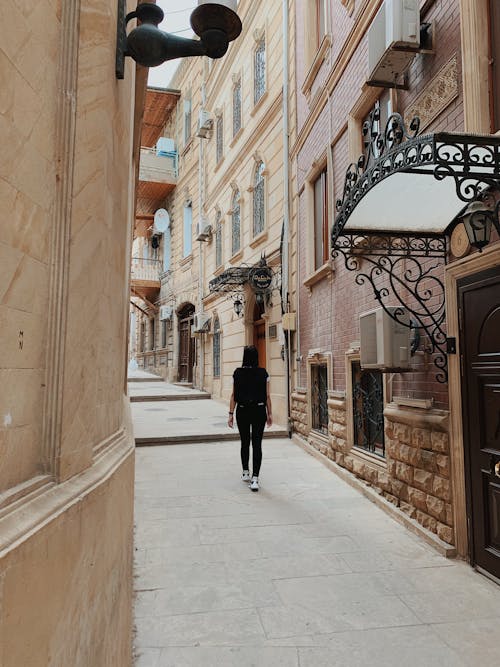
186	343
259	332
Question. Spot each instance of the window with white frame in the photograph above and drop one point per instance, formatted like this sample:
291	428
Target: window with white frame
235	223
219	138
216	348
187	245
218	240
321	242
259	70
167	249
258	200
236	107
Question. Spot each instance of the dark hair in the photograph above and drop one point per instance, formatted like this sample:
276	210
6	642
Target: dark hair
250	356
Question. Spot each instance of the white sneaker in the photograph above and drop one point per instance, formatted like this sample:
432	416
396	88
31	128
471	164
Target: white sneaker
254	484
245	476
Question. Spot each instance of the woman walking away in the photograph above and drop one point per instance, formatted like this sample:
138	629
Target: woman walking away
251	396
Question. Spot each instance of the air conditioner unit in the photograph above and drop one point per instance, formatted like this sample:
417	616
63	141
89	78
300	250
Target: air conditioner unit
205	124
393	40
385	342
201	323
204	231
166	312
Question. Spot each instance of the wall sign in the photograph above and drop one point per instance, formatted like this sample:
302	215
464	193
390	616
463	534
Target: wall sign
260	278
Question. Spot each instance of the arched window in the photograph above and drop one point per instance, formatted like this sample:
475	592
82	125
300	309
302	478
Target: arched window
218	240
258	200
237	107
236	223
259	87
219	132
216	348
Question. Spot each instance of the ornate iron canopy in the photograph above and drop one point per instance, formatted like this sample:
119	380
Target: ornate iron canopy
399	202
389	188
261	278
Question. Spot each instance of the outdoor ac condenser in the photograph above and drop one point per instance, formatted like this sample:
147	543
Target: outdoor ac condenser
384	341
205	123
393	40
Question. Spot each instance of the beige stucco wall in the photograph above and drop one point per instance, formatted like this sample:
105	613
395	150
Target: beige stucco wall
66	445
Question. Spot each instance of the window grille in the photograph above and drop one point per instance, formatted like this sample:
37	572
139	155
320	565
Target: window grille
319	398
368	409
258	200
216	348
219	132
260	71
236	223
236	108
218	240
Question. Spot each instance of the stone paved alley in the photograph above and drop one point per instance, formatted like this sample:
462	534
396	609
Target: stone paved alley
306	573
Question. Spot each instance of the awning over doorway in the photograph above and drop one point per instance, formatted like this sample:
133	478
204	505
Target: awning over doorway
415	184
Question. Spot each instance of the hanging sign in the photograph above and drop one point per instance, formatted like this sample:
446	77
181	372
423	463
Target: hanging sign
260	278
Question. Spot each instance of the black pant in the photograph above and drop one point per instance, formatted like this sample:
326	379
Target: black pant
254	417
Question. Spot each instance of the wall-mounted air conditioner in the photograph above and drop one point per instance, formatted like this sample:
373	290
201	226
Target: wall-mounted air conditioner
204	231
201	323
166	312
384	341
205	124
393	41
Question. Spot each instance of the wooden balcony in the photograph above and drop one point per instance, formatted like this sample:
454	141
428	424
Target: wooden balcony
145	279
157	178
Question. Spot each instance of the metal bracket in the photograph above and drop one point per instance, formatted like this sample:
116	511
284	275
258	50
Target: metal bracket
121	40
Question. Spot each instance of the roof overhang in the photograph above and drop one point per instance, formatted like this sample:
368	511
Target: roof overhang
418	186
159	104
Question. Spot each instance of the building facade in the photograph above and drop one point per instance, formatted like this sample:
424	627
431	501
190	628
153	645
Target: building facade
67	180
226	215
387	234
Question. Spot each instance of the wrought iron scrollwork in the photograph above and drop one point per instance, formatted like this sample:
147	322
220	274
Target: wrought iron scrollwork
400	273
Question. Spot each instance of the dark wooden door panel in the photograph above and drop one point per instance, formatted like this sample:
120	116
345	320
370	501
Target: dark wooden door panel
479	298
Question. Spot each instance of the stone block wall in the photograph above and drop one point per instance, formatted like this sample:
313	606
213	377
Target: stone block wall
415	474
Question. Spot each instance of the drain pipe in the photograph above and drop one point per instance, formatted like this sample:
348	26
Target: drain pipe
201	201
286	212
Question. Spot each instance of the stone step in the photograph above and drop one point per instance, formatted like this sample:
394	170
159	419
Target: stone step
200	438
170	397
152	379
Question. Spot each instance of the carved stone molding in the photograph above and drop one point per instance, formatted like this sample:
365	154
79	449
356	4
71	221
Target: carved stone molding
440	92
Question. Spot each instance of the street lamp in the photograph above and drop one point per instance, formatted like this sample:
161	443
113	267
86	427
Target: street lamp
238	306
215	23
478	220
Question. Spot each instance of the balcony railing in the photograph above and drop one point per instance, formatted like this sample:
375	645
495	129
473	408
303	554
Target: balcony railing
146	269
158	168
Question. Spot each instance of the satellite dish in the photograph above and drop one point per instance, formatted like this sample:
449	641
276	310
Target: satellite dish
161	221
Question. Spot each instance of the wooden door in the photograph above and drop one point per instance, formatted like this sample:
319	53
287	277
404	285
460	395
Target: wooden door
479	300
186	348
259	340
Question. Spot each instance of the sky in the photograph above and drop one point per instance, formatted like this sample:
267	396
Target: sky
177	13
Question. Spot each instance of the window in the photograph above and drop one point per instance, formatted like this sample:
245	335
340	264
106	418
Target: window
319	398
164	333
142	341
152	341
321	245
320	21
187	119
383	107
237	107
216	348
167	249
235	223
219	136
188	230
368	409
218	240
259	71
258	200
